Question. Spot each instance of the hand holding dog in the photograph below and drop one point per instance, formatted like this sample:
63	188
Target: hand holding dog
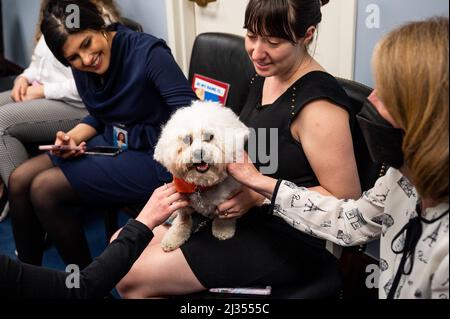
246	173
239	204
164	201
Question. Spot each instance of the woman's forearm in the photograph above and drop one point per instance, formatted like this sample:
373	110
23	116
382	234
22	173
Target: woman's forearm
264	185
19	280
82	133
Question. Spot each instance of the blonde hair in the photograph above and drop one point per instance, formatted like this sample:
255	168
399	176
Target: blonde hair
108	8
411	74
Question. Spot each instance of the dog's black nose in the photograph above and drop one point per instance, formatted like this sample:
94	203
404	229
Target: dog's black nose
198	155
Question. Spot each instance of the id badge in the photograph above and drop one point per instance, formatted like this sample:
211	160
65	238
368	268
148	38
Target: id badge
120	138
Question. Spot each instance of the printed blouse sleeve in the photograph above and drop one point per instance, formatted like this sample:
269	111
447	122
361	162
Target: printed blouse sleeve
344	222
169	80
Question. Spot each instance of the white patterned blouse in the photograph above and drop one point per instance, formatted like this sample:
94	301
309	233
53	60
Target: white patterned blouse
386	212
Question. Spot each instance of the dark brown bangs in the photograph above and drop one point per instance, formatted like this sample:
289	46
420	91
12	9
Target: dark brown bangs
270	18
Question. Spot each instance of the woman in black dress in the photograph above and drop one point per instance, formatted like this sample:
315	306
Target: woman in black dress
293	96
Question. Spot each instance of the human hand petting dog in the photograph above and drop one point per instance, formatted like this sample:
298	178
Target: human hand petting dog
164	201
247	174
244	171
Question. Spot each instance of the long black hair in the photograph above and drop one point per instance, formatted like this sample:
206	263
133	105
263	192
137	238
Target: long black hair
285	19
57	23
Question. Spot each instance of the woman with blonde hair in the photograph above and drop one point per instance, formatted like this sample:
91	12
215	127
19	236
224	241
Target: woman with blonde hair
405	124
44	100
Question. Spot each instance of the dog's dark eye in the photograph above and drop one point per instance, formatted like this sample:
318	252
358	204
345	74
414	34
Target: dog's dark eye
187	140
208	137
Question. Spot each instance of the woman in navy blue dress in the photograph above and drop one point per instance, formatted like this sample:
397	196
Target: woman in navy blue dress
130	84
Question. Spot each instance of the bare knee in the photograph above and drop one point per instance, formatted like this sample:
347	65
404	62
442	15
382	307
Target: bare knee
128	288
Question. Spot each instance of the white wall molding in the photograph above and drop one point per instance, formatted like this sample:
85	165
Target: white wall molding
335	48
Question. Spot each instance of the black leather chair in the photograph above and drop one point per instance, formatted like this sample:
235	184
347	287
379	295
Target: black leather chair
367	170
353	260
223	57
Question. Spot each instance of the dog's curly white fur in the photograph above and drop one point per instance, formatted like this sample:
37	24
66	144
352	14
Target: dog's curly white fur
195	145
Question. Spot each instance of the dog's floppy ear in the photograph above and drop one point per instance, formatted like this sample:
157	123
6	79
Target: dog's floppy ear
159	153
243	133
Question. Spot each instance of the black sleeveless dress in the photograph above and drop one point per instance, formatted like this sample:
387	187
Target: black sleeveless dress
265	250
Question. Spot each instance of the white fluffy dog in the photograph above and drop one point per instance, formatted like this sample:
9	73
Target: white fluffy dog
195	146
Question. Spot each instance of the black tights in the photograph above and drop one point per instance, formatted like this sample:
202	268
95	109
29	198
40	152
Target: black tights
41	200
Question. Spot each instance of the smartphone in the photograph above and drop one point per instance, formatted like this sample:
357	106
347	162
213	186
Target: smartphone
58	148
103	150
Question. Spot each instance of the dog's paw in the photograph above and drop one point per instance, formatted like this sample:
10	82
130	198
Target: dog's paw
167	244
223	229
178	233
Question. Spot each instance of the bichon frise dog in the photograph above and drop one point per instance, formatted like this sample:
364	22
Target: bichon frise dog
195	146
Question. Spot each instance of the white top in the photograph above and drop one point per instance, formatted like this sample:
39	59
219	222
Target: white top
381	211
47	70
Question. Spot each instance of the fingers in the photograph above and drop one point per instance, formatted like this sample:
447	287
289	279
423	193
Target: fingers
23	91
228	204
63	137
167	189
231	213
178	205
15	95
227	208
175	197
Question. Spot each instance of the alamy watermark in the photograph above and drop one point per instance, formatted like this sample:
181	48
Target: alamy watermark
225	146
73	279
373	17
373	276
73	17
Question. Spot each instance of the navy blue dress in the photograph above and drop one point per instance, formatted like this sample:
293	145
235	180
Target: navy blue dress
140	90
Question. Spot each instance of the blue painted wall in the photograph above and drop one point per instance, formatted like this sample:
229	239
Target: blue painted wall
20	19
392	13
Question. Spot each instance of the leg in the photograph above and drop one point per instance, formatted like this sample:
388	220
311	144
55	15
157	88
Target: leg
157	274
28	232
5	98
4	205
30	122
158	234
53	197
